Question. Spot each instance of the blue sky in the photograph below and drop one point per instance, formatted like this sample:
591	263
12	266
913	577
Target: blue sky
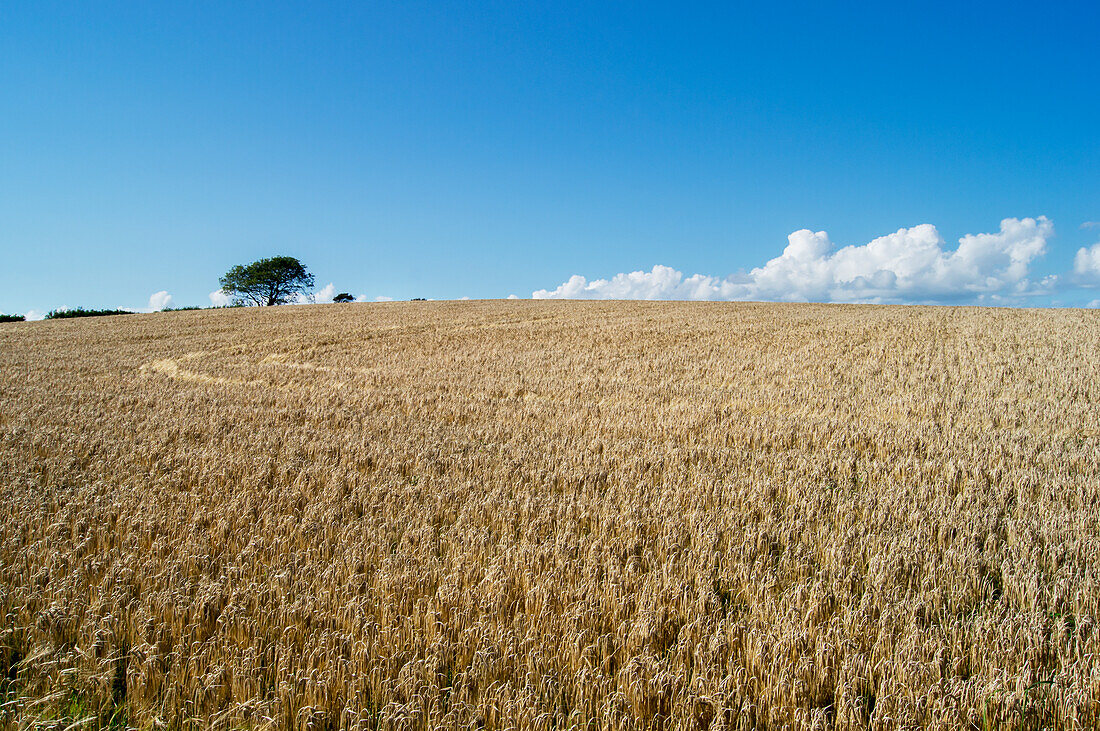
486	149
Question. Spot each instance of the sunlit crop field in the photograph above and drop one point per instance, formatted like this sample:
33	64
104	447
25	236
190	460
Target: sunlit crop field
552	515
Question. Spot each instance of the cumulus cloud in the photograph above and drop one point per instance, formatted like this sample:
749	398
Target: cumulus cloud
219	298
911	265
325	294
159	300
662	283
512	297
321	296
383	298
35	315
1086	266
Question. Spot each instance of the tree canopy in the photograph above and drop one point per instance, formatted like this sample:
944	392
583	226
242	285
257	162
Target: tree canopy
272	281
343	297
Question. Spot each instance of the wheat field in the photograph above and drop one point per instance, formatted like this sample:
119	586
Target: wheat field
552	515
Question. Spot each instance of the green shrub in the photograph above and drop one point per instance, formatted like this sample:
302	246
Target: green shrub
81	312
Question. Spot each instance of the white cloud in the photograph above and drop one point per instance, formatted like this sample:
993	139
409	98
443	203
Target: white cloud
1090	224
35	315
1086	265
512	297
383	298
1095	304
219	298
159	300
463	299
321	296
325	294
910	265
663	283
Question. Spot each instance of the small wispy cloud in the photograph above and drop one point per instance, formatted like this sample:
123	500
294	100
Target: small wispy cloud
1090	224
324	295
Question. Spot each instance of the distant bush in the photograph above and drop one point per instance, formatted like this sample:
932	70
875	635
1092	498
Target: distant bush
181	309
81	312
343	297
12	318
418	299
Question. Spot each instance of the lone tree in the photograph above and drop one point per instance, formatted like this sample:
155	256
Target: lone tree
343	297
273	281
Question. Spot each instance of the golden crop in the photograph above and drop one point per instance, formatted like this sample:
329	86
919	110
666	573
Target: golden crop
547	515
